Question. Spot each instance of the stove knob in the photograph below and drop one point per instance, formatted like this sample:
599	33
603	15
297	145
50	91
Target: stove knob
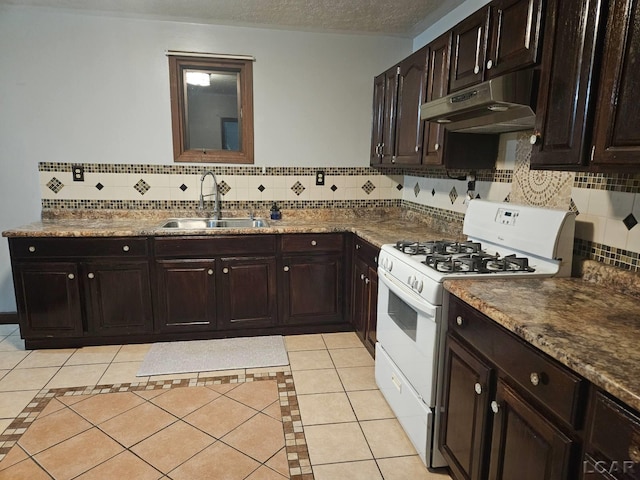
390	265
420	286
410	280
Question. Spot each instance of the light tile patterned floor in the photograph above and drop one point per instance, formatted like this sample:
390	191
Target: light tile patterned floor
213	425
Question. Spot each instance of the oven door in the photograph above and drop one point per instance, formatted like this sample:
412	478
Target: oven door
408	330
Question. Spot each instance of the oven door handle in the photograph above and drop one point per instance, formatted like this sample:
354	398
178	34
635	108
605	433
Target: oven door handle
407	295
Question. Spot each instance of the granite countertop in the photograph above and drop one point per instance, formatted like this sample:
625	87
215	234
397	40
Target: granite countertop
378	228
591	329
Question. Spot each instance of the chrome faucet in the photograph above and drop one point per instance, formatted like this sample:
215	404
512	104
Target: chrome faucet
216	193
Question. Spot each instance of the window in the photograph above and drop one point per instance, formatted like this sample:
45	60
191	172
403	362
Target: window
211	108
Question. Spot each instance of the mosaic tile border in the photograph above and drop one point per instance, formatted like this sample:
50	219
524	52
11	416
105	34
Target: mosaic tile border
226	205
498	176
218	170
616	257
295	441
620	182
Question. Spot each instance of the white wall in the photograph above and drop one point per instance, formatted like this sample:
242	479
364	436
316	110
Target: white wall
95	89
449	20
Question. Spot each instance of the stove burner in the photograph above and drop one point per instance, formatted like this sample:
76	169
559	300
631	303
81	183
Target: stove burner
510	263
441	247
477	263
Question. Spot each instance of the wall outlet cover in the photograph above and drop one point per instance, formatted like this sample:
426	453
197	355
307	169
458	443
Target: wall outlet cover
78	173
320	177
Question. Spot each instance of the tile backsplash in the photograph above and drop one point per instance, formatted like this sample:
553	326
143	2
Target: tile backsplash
607	205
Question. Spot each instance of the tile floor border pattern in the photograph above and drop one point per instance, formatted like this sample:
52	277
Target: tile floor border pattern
295	442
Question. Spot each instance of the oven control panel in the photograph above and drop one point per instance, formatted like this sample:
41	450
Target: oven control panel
506	216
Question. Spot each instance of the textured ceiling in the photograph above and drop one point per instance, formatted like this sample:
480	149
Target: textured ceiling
379	17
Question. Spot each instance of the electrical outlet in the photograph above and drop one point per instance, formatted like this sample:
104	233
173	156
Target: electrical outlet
78	173
320	177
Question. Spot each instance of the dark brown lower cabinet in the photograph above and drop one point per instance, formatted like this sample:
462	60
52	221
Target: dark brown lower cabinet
510	413
186	295
247	287
364	302
118	297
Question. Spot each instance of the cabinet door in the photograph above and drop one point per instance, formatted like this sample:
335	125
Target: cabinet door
360	297
247	292
524	444
468	51
186	295
437	87
312	289
411	94
118	297
565	100
617	128
463	431
514	27
390	107
377	128
372	310
48	299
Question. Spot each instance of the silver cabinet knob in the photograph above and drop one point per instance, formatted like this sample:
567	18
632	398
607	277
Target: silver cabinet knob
90	275
362	276
32	249
534	378
634	452
478	388
535	138
476	69
286	268
225	270
71	276
210	271
314	243
358	247
459	320
489	64
495	407
125	248
436	147
366	281
417	148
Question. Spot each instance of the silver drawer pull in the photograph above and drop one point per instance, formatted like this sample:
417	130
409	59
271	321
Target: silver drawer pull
90	275
71	276
459	320
314	243
286	269
495	407
535	379
210	271
357	246
32	249
366	281
225	270
478	388
125	248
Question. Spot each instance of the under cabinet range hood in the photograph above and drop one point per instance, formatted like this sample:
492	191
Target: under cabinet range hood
502	104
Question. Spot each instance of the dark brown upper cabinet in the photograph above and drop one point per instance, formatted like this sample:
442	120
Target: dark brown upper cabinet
397	129
437	87
497	39
617	122
211	109
564	113
468	50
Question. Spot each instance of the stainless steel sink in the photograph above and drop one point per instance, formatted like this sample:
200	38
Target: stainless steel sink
206	223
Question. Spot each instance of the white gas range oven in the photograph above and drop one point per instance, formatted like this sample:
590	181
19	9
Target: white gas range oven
503	240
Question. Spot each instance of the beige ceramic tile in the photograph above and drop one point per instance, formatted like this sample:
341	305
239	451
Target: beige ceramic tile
183	401
339	442
89	355
265	473
8	329
12	403
351	357
310	360
387	438
260	437
258	394
15	455
304	342
77	376
12	343
358	378
220	416
342	340
216	461
325	408
370	405
122	372
27	379
402	468
52	429
137	424
274	411
4	423
46	358
317	381
25	470
365	470
263	370
102	407
279	462
132	353
9	360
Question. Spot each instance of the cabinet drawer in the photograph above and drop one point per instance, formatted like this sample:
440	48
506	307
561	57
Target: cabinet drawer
312	242
24	248
552	384
614	436
207	246
367	252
